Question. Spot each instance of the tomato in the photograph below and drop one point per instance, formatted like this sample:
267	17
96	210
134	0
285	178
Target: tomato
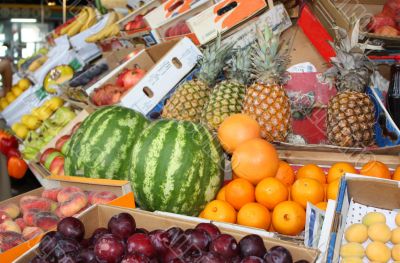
16	167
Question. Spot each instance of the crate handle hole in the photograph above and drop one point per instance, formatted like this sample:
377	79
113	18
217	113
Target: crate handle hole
175	6
227	8
148	92
177	63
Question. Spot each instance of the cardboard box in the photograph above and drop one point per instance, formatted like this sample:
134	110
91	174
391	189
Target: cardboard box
340	12
166	64
223	16
169	9
125	200
357	196
98	217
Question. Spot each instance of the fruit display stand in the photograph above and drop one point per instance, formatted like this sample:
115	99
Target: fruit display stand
98	216
357	197
119	188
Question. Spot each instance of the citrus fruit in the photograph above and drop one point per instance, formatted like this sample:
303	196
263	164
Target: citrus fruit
285	173
221	194
24	84
255	160
234	176
201	215
396	174
218	210
312	171
270	192
338	170
254	215
307	190
333	190
239	192
237	129
289	218
375	169
322	205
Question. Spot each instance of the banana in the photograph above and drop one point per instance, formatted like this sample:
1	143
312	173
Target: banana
107	29
64	30
114	31
80	21
91	20
119	16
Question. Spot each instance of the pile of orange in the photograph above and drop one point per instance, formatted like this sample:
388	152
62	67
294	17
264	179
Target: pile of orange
266	192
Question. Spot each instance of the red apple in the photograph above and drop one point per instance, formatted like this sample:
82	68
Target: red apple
120	78
61	141
46	153
57	166
131	78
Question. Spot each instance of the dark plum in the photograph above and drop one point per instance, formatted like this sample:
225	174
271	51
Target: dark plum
225	245
67	259
142	230
198	239
99	232
141	243
252	245
211	229
86	256
302	261
109	248
278	254
66	247
252	259
122	225
49	242
71	227
158	242
135	258
173	236
212	257
236	259
38	259
85	243
172	254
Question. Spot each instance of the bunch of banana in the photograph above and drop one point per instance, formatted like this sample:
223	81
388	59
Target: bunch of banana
86	18
110	29
37	63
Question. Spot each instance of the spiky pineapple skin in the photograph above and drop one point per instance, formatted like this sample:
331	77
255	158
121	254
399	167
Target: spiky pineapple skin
351	119
187	102
270	106
226	99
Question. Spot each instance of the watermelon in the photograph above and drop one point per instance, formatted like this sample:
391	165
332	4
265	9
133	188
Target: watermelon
102	146
176	167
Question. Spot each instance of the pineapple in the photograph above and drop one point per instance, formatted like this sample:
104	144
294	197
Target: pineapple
351	113
227	96
188	102
266	100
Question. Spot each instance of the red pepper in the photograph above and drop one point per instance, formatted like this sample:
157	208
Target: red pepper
16	167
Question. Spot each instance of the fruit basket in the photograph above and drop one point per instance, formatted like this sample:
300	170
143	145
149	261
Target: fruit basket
103	215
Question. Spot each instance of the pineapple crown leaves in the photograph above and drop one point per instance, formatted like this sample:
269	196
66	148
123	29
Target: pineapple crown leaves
351	66
240	66
269	59
213	61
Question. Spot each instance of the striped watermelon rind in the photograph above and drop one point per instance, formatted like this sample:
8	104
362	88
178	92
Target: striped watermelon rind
176	167
102	146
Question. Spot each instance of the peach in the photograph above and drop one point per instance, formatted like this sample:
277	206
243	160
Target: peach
46	220
29	217
11	209
10	226
20	222
4	217
74	204
34	202
66	192
51	193
57	166
9	240
58	213
30	232
101	197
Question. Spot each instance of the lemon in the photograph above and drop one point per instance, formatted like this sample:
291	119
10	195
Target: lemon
3	103
44	113
32	122
24	84
10	97
17	91
55	103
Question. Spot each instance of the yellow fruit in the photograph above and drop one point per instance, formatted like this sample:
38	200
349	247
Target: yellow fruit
20	130
397	219
4	103
356	233
54	103
396	236
352	260
16	91
35	112
352	250
379	232
32	122
373	217
44	113
10	97
377	251
24	84
396	252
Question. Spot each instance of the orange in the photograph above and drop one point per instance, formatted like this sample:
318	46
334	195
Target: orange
234	176
270	192
221	194
201	215
289	218
307	190
237	129
218	210
332	190
396	174
375	169
285	173
271	228
325	190
312	171
255	160
239	192
322	205
254	215
338	170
